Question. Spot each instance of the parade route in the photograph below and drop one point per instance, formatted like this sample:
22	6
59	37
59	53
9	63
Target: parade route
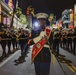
26	68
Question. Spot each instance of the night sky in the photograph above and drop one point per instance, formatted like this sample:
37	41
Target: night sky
47	6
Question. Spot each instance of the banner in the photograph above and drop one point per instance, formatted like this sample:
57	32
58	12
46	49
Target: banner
37	48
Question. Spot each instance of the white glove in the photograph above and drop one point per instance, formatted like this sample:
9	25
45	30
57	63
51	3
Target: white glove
42	34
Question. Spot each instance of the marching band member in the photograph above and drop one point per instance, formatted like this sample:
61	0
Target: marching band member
74	41
56	40
23	38
69	40
9	40
41	50
13	35
3	43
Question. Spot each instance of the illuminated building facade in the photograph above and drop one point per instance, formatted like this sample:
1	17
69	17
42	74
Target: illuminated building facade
6	14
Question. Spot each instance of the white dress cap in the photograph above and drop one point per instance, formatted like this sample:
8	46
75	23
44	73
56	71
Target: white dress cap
41	15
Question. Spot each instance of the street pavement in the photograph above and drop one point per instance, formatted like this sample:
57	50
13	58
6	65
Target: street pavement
65	67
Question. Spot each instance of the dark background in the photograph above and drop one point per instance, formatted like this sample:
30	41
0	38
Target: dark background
47	6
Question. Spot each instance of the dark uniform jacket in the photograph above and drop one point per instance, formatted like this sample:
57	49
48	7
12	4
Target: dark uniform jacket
56	36
13	37
23	39
74	36
44	55
69	37
3	38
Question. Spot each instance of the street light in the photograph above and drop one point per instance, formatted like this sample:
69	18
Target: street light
36	25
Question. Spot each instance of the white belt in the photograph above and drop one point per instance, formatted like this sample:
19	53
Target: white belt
46	46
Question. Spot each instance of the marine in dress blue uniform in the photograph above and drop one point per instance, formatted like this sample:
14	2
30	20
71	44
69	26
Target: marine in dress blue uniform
9	40
69	40
74	41
56	40
23	38
43	58
3	43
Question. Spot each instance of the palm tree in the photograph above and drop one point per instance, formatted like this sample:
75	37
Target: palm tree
18	12
23	20
22	17
51	17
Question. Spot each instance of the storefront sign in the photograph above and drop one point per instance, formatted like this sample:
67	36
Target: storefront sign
0	13
0	18
71	17
4	20
75	9
8	21
75	15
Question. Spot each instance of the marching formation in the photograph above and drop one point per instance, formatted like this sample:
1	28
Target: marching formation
16	39
64	38
43	40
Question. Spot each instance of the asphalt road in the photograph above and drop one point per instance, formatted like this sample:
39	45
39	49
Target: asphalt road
64	65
